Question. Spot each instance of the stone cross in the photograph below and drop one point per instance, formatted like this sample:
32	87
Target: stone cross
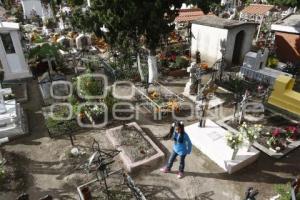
194	78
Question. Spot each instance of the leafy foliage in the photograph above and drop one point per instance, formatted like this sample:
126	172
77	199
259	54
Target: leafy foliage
44	51
285	2
272	62
61	127
7	4
50	23
180	62
285	192
89	86
127	21
18	13
74	3
205	5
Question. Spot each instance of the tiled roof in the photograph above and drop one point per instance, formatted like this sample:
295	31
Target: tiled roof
257	9
187	15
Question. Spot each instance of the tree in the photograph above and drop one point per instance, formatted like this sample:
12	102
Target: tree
131	23
7	4
205	5
291	3
18	13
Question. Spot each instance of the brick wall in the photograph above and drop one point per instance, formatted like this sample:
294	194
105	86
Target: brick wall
288	46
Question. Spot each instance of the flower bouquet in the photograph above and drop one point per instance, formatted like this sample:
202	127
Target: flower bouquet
234	141
250	132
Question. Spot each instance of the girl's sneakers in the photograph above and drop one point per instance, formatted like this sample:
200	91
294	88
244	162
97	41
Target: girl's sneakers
180	175
165	170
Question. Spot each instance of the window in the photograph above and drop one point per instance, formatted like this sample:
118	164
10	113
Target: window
7	43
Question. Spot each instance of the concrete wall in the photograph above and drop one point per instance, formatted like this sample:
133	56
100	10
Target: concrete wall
207	40
287	46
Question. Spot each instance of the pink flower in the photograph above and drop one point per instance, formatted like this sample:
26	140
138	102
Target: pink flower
276	132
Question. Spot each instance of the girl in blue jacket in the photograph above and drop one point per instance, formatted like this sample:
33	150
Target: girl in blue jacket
182	147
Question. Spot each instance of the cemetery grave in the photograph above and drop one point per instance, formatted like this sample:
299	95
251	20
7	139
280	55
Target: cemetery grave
228	71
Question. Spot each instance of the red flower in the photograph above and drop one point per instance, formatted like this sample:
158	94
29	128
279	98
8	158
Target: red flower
291	129
276	132
173	57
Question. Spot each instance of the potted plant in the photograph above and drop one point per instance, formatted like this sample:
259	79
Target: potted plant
250	133
234	141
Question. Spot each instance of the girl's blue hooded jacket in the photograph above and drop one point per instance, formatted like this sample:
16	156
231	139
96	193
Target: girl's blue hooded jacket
182	148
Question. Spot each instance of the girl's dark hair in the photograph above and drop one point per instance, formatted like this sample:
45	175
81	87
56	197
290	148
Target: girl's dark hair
180	125
172	129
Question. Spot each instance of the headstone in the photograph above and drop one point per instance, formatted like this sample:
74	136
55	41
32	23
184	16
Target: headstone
65	41
83	41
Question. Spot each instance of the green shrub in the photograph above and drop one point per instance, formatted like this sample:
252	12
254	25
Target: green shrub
285	192
89	86
180	63
272	62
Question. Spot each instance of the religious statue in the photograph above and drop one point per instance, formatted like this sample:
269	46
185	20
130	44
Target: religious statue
195	78
209	87
198	57
240	107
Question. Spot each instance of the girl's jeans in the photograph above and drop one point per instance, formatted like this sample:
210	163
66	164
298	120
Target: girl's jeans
172	159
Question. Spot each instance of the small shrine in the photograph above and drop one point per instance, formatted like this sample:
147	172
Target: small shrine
12	57
208	32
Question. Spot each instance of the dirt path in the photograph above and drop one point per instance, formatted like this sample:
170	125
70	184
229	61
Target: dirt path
47	169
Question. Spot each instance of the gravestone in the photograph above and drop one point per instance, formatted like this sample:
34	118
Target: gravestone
83	41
